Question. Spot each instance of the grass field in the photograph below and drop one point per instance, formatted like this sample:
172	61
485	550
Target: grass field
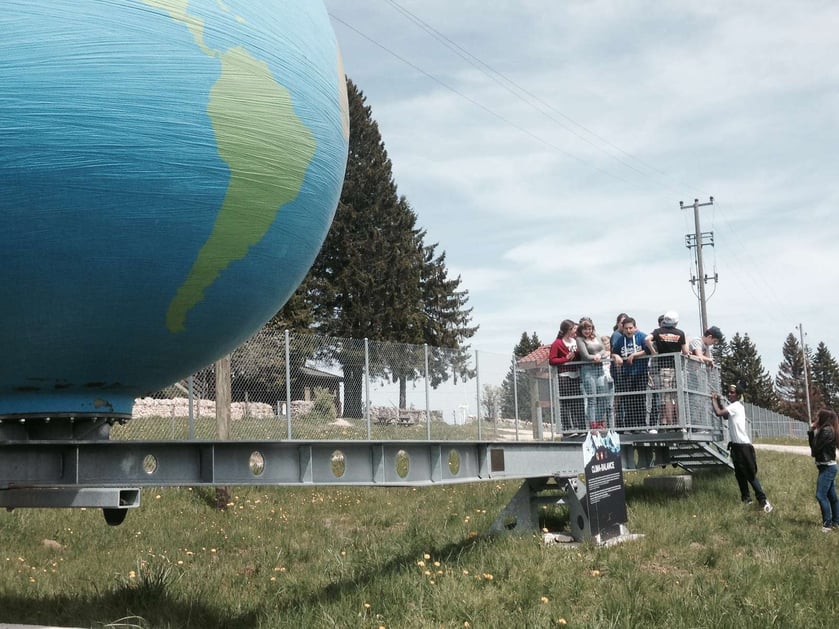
405	557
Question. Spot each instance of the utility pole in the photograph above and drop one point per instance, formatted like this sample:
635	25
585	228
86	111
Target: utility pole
806	377
697	240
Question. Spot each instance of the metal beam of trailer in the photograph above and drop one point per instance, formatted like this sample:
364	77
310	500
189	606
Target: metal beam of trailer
376	463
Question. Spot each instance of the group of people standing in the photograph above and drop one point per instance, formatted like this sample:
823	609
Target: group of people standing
592	368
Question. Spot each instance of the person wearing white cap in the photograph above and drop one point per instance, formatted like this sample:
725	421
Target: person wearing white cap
667	340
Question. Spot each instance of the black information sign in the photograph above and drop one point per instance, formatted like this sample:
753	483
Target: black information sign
605	496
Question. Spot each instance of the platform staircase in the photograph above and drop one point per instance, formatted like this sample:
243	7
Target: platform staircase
696	456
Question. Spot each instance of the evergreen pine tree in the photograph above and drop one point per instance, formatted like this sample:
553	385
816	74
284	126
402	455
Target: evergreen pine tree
740	363
825	376
789	382
525	346
376	279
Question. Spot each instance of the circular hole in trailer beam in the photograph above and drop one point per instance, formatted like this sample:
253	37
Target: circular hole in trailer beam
403	463
149	464
339	464
454	462
256	463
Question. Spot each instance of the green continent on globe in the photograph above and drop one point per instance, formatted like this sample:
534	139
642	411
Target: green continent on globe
265	144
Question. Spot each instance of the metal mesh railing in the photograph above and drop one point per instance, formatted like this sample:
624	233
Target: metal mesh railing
655	393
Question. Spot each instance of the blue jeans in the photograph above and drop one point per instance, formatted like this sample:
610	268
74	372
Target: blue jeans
595	391
826	495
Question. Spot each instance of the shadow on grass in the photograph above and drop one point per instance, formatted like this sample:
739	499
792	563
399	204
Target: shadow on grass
125	606
394	566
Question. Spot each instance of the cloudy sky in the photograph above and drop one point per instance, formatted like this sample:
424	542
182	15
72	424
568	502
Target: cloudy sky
546	147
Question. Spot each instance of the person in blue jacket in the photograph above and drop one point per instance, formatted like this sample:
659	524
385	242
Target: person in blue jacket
630	352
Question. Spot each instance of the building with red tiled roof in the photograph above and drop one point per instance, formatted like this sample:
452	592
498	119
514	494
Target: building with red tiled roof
535	359
538	372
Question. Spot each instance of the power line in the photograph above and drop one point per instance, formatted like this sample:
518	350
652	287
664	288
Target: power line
479	104
533	100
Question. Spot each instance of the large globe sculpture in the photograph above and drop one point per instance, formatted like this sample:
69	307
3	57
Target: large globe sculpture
168	172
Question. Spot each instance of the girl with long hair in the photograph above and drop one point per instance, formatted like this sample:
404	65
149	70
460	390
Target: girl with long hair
593	355
564	351
824	437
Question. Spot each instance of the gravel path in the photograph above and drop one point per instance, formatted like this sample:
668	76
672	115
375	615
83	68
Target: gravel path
805	450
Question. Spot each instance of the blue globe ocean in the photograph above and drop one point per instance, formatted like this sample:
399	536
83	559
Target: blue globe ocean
168	172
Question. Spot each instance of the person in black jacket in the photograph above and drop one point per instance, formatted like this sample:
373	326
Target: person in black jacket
823	435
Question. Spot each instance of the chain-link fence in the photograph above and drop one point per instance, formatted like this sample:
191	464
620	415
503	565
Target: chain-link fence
303	386
771	425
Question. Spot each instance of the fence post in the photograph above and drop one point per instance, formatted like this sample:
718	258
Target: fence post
223	397
683	414
190	387
288	383
367	387
427	395
478	380
515	394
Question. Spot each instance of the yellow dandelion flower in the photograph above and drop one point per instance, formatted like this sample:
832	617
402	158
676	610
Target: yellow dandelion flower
421	563
157	497
465	572
544	599
488	576
562	621
132	574
367	605
273	579
595	573
426	556
436	564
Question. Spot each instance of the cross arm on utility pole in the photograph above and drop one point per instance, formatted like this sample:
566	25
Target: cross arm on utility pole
698	242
